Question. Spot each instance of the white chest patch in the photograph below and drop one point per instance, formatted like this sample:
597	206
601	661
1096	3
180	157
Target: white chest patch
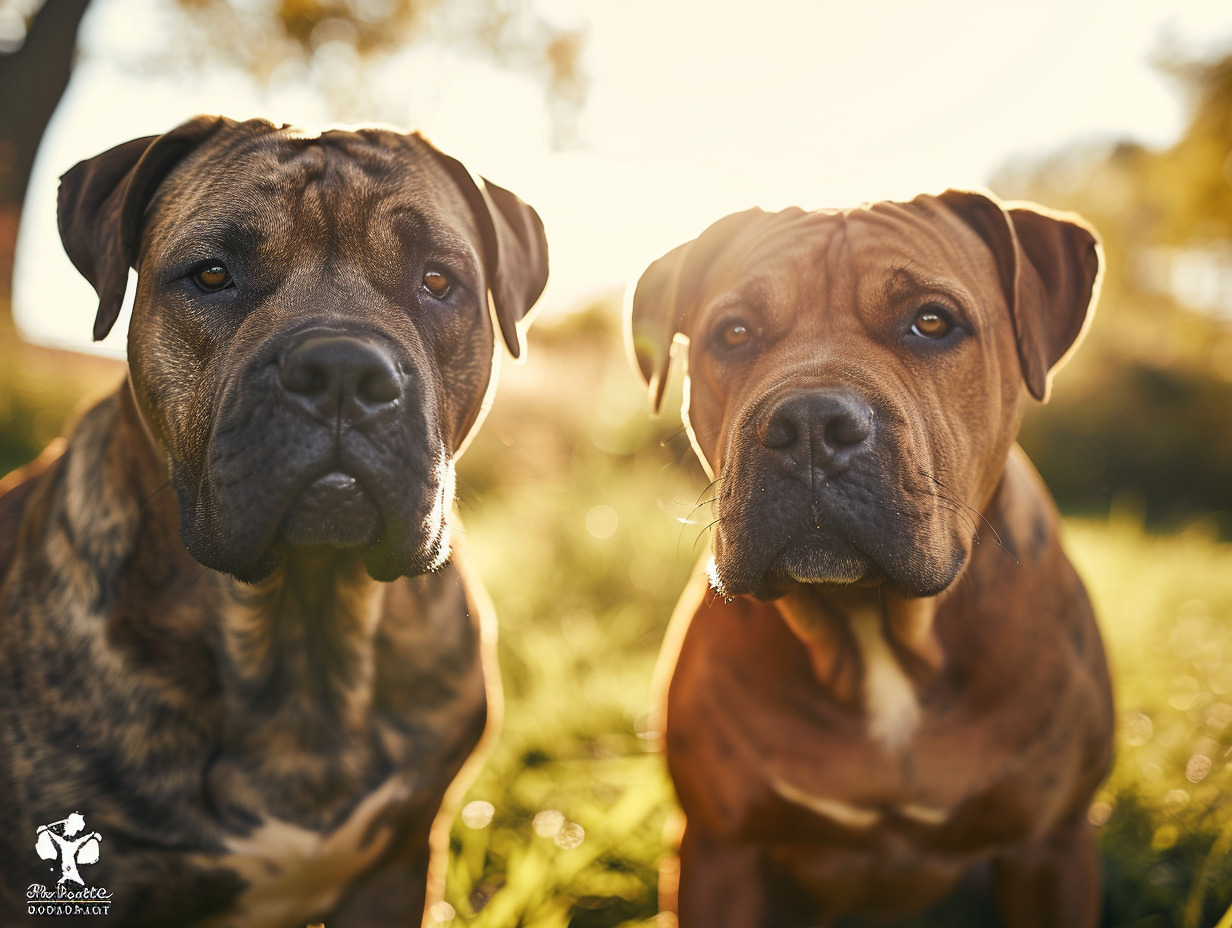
889	696
293	873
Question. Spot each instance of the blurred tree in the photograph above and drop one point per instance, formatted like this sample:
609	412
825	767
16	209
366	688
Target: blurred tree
38	39
36	59
1203	156
1144	415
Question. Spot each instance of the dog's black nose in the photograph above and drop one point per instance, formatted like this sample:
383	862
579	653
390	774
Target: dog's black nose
824	428
336	375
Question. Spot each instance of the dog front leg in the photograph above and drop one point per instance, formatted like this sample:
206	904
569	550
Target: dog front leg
1051	883
722	885
395	894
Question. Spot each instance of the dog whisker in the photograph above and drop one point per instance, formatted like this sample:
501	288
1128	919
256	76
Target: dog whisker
702	533
701	502
688	520
707	488
949	506
953	497
165	485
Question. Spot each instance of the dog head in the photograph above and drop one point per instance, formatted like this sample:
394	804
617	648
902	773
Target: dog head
311	340
855	378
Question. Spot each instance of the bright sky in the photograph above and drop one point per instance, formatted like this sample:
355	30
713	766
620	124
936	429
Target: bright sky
697	108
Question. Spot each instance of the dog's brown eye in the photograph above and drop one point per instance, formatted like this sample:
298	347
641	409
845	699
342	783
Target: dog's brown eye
930	324
736	334
436	283
214	277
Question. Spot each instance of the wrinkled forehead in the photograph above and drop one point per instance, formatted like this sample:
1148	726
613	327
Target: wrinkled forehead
335	187
866	252
922	237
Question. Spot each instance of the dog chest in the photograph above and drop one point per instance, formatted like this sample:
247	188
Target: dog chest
294	874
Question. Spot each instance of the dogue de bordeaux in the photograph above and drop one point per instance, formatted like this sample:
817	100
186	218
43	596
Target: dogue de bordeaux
895	677
235	652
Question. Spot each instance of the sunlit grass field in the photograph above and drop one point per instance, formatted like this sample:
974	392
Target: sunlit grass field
581	509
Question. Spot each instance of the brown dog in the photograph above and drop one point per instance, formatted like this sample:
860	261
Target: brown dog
239	668
872	705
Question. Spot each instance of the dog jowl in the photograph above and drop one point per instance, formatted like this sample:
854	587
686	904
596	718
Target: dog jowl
866	704
233	637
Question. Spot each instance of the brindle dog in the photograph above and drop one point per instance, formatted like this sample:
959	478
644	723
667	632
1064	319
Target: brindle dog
232	635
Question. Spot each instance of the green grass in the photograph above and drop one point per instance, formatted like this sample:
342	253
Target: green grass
582	605
577	683
583	609
582	618
1165	606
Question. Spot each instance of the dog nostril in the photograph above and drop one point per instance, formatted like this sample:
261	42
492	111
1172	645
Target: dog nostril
847	430
778	432
303	376
379	384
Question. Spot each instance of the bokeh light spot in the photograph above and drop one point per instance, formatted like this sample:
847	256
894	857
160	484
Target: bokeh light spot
548	823
602	521
442	912
1198	767
1137	729
478	814
571	835
1099	813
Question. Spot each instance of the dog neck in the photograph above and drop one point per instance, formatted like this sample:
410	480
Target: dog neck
870	649
298	645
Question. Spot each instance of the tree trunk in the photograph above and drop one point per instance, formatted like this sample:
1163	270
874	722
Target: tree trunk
32	81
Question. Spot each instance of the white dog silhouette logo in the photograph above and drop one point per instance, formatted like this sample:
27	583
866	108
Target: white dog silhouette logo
65	840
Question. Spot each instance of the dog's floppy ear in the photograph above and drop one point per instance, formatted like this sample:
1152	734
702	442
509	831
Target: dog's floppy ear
1050	266
668	292
103	201
515	249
